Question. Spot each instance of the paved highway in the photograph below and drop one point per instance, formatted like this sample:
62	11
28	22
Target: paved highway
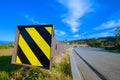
103	63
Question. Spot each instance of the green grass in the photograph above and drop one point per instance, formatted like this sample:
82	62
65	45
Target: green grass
5	64
59	71
6	46
6	67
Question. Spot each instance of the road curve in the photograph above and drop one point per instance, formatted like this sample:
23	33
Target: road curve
104	62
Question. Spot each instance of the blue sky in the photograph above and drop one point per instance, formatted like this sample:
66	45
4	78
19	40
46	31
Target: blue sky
72	19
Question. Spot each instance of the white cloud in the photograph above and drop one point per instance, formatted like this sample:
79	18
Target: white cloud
79	36
102	34
76	35
76	10
31	19
108	24
60	33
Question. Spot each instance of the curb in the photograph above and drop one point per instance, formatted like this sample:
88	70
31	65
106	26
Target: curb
75	72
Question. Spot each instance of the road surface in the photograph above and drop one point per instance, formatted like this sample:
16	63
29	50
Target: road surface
105	64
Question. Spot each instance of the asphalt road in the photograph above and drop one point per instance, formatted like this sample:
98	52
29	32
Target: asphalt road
105	62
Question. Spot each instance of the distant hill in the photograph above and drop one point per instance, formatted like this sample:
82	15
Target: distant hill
104	39
5	42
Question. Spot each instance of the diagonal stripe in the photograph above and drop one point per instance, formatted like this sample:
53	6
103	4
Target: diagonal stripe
18	60
49	29
22	56
45	34
33	46
28	52
39	41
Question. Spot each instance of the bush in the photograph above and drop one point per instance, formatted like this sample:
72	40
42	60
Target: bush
110	48
115	48
34	74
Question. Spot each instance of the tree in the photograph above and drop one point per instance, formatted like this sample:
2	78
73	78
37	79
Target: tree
97	43
94	42
109	44
117	34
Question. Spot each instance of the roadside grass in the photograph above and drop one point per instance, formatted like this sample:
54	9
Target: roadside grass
60	69
61	66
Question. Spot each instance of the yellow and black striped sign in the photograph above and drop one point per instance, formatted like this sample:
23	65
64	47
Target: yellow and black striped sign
34	45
